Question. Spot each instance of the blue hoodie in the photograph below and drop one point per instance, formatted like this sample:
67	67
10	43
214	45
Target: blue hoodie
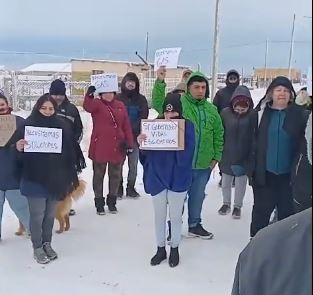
9	172
169	170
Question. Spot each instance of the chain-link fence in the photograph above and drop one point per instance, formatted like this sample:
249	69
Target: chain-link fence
24	94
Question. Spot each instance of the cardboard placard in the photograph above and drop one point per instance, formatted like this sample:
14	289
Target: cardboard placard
7	128
167	57
43	140
105	83
163	135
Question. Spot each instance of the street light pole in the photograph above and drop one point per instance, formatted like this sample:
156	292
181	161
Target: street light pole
216	49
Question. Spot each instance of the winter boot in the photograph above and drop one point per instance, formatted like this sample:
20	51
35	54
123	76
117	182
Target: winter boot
120	192
174	257
132	193
200	232
100	203
111	202
52	255
40	256
159	256
225	209
236	213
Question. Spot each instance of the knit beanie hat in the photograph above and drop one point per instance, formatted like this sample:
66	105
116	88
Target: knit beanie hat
57	88
181	87
173	103
242	101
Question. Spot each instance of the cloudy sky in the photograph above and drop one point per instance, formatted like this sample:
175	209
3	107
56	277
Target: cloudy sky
116	30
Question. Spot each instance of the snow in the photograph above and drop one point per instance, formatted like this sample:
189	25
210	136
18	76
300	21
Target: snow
49	67
110	255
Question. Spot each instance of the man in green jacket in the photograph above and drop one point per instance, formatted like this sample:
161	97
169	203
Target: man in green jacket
209	146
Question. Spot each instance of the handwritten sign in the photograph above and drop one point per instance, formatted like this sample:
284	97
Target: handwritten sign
105	82
167	57
43	140
163	134
7	128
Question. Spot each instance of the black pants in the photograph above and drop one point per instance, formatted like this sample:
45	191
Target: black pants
99	171
276	193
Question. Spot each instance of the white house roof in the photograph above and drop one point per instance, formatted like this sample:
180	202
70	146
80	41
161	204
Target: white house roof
49	67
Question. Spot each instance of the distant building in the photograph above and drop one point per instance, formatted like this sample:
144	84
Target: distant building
48	69
83	68
263	74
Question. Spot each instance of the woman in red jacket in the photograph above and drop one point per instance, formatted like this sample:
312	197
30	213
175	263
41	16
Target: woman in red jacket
111	140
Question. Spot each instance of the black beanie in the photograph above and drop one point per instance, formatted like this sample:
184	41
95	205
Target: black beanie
282	81
57	88
173	103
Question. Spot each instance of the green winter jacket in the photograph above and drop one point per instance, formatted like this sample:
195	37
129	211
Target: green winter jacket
209	129
158	95
208	124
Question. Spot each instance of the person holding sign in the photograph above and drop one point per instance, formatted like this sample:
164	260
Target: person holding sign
111	140
209	147
47	177
137	108
70	114
9	172
167	177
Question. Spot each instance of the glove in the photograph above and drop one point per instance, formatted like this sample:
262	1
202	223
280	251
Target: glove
91	90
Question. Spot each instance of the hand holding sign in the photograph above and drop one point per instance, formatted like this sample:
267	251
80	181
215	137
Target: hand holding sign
105	83
21	144
167	57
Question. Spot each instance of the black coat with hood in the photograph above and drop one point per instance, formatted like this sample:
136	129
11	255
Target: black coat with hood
67	110
135	103
238	136
294	125
223	96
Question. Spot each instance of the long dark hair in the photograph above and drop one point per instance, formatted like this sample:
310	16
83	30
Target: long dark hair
4	98
46	97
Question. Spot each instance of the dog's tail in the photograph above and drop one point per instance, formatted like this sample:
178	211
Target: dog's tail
79	191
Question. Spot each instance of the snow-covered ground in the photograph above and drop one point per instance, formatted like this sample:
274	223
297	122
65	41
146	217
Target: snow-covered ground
111	254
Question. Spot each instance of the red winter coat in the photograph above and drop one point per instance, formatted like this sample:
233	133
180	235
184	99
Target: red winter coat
108	137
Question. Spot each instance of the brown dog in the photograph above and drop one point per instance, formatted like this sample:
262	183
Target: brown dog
63	209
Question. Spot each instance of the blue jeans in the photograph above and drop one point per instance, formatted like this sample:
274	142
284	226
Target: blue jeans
196	195
18	204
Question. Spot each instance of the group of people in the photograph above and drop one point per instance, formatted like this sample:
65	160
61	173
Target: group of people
264	146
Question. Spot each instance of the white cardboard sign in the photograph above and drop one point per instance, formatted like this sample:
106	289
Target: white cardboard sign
167	57
105	82
43	140
163	134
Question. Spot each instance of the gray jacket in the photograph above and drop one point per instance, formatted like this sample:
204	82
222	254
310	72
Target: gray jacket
278	261
238	135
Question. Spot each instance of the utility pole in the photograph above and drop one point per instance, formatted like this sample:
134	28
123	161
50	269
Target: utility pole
147	46
292	46
266	59
216	49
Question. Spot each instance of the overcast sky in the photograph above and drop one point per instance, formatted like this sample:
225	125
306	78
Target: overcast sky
116	29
